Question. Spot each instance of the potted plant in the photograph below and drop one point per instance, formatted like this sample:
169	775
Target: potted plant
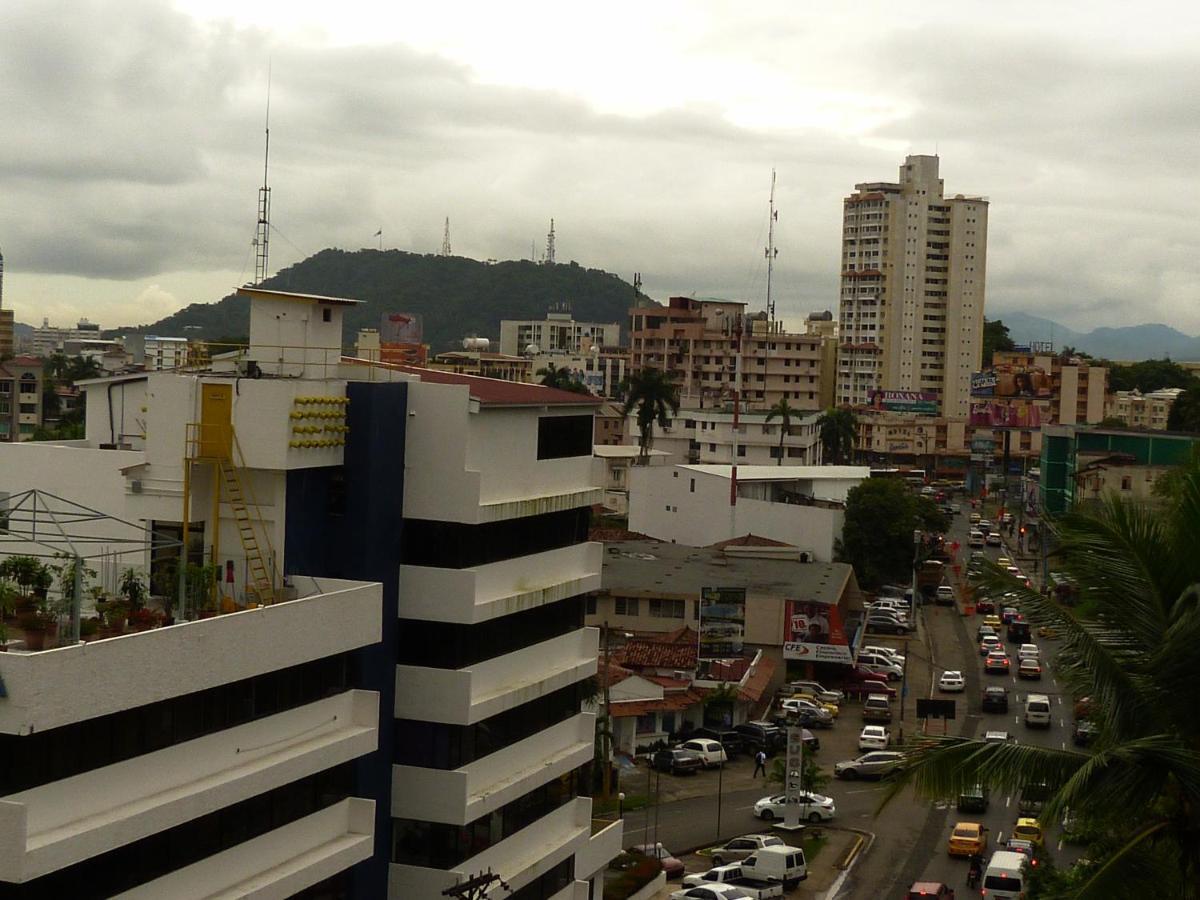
39	626
89	629
143	619
115	617
133	588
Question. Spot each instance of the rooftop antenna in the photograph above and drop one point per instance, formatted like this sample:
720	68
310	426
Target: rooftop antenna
549	260
262	238
446	239
772	252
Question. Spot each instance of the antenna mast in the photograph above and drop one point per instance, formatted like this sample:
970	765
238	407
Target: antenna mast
262	238
446	239
772	252
549	260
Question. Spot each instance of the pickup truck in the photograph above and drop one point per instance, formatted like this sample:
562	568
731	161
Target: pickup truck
732	875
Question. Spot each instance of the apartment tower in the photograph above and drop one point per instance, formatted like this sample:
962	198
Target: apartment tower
913	270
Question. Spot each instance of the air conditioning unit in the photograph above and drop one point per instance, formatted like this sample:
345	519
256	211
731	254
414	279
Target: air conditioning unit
136	485
249	368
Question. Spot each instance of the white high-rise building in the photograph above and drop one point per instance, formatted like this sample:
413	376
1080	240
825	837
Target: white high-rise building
913	271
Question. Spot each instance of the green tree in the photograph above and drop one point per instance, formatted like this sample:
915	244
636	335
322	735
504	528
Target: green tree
656	397
812	776
877	533
784	413
1138	572
839	435
1113	422
1149	375
1185	412
562	379
995	337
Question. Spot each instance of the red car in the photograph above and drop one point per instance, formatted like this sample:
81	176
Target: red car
984	607
860	682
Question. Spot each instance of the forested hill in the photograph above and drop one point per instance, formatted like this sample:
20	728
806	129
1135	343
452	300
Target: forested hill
455	296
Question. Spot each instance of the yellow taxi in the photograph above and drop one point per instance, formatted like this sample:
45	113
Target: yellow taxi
994	621
1029	830
967	839
832	708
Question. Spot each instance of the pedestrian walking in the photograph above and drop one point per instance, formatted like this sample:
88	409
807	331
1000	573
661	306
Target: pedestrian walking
760	764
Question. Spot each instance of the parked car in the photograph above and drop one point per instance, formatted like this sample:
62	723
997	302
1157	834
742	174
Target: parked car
967	839
710	892
813	808
786	864
809	713
877	708
880	665
875	764
710	751
738	848
952	682
672	867
676	762
732	874
761	736
728	738
832	708
874	737
894	655
859	683
812	687
995	698
882	624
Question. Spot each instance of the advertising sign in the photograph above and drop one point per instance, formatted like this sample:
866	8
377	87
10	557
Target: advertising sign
905	401
813	632
1009	414
722	622
794	788
1012	381
400	328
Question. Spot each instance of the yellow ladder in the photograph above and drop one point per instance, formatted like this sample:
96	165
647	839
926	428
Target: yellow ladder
257	566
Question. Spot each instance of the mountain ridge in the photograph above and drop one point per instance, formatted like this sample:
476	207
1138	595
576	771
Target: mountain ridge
1150	340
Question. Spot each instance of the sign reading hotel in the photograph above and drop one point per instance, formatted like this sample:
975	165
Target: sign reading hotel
722	622
813	632
905	402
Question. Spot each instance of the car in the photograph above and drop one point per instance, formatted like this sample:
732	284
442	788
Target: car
832	708
709	750
1027	848
761	736
672	867
995	699
875	764
988	643
992	539
997	662
877	708
974	518
1028	650
710	892
812	687
1013	570
944	595
955	509
1006	518
929	890
813	808
729	739
1029	668
676	762
1050	632
1084	733
874	737
860	682
892	654
967	839
1028	830
880	665
893	603
974	799
886	625
739	848
807	711
1003	561
998	737
1008	613
985	630
1018	631
984	525
952	681
975	539
984	606
993	620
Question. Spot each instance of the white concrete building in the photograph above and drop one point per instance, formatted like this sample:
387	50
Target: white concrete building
48	339
705	436
557	333
611	469
155	352
913	274
432	525
800	505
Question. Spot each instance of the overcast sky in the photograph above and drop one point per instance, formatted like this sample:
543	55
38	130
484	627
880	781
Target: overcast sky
131	144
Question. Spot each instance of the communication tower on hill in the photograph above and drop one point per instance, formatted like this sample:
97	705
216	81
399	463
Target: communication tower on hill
549	258
446	239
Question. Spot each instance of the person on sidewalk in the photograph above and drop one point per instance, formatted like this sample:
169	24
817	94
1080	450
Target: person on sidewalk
760	764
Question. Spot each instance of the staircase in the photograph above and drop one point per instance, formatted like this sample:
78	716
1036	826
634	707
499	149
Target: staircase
257	567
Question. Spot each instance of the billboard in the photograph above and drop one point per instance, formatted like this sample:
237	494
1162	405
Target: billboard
1009	414
905	401
400	328
1007	381
722	622
813	632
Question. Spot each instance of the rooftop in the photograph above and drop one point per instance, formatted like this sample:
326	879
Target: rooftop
490	391
654	568
784	473
622	451
252	292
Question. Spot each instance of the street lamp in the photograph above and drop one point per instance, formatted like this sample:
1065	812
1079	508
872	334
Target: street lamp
620	804
917	535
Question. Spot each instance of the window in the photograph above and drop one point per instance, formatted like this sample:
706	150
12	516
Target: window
691	487
666	608
1126	483
667	720
627	606
326	315
564	436
589	605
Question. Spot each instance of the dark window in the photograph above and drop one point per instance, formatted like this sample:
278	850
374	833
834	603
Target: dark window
162	853
451	545
327	315
562	436
46	756
546	886
449	645
433	745
589	605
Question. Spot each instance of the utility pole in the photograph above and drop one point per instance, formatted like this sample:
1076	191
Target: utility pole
477	887
772	252
263	235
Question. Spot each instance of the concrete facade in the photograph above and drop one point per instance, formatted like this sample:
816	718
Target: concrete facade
558	333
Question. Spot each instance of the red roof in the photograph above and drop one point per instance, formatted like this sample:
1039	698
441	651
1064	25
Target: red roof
492	391
677	650
621	709
749	540
756	685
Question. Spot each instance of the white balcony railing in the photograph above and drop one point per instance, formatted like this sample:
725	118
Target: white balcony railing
466	696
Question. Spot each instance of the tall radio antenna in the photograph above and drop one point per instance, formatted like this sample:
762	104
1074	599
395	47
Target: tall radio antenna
549	259
772	252
263	236
446	239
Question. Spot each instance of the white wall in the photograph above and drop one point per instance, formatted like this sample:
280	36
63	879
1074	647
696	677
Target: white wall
289	337
503	449
128	418
437	483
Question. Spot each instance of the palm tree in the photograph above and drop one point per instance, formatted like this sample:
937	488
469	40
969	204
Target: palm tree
654	393
839	434
1131	648
562	379
784	412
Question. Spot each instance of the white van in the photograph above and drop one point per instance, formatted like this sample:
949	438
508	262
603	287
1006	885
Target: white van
1037	711
786	864
1003	879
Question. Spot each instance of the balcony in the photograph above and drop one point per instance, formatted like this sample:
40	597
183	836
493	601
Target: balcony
58	824
518	859
478	788
277	864
603	844
81	681
466	696
480	593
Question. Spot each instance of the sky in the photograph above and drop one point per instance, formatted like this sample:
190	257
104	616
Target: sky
131	150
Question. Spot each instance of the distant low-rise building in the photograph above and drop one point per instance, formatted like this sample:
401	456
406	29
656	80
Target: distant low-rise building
1137	410
706	436
557	333
21	382
48	339
612	464
484	364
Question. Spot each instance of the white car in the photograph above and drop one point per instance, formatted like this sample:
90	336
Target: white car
988	643
813	807
993	539
710	751
952	681
894	656
890	671
706	891
874	737
1028	651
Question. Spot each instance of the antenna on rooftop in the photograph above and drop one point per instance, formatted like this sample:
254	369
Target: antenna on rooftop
549	260
446	239
262	237
772	252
